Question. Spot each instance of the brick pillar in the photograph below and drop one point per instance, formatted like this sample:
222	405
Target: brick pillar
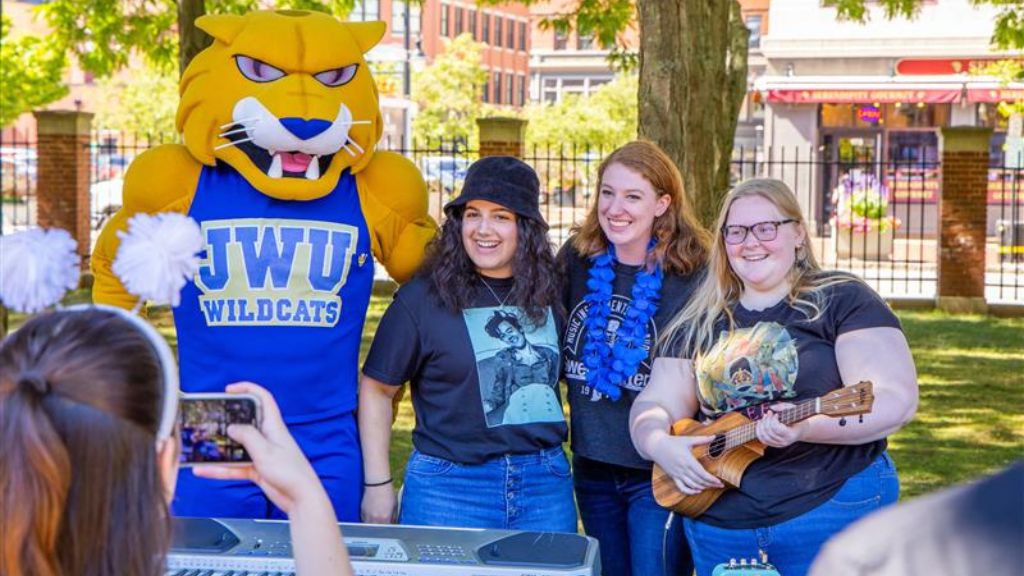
962	219
502	136
62	189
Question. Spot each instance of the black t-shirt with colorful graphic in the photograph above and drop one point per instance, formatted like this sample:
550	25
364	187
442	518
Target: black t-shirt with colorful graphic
600	425
484	382
773	355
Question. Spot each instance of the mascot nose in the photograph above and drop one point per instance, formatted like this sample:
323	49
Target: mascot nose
305	129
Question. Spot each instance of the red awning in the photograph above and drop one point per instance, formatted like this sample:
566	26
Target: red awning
995	94
854	95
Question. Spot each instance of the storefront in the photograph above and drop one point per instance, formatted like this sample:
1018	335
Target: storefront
888	127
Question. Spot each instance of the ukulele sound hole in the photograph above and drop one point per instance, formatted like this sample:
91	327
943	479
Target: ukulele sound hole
717	446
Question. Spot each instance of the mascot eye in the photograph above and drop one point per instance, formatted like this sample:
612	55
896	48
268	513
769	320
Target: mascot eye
257	70
337	76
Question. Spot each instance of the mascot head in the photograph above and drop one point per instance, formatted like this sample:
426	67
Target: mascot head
285	98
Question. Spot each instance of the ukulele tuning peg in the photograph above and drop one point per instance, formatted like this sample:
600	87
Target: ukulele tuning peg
842	421
860	419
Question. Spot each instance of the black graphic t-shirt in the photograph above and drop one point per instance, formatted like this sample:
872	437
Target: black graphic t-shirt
600	425
776	355
484	382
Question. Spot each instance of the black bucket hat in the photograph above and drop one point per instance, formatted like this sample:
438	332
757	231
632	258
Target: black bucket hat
504	180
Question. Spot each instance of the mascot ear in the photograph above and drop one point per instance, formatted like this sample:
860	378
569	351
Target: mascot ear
223	27
367	34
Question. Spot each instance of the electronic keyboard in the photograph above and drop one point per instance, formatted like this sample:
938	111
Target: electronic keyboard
234	547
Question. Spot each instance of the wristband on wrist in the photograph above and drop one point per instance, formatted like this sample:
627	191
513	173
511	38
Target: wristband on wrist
375	484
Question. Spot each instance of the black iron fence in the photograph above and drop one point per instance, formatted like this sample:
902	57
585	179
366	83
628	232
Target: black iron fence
878	219
19	163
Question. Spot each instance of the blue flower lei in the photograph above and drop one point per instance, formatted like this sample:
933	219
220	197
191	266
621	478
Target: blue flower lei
608	367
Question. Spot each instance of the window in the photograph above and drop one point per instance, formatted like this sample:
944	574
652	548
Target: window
549	90
585	41
485	94
445	23
398	9
497	87
509	87
522	36
497	31
485	28
472	24
509	35
459	12
561	39
365	11
522	89
754	25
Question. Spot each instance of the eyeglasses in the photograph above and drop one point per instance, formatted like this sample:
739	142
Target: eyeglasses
763	231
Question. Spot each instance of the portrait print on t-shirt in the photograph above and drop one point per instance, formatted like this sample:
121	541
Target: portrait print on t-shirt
516	364
576	328
746	367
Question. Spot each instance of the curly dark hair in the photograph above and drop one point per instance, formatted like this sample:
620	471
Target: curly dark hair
496	320
454	280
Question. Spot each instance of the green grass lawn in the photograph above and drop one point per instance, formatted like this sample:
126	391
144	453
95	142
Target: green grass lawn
971	416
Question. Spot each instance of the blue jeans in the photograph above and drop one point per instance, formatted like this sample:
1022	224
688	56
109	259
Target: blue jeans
792	545
618	508
511	492
332	447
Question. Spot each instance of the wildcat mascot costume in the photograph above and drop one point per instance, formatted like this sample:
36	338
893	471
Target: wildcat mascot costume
280	118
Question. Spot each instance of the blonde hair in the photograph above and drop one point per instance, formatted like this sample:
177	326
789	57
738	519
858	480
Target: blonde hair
681	241
691	332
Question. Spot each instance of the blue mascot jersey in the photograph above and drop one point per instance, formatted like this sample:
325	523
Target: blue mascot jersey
280	297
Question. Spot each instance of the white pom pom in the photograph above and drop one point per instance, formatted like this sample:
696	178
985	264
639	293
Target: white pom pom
37	267
158	256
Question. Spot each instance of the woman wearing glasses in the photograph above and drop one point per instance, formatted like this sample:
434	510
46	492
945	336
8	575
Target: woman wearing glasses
766	328
630	266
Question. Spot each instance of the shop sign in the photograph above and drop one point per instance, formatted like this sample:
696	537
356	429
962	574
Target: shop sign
906	187
942	66
854	96
869	114
995	94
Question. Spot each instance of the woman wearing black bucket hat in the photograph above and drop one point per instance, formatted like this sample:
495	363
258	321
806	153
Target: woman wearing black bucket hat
475	335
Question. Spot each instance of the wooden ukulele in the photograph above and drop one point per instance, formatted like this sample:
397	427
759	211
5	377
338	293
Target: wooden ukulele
736	445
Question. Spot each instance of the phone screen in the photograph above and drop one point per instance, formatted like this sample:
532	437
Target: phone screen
204	427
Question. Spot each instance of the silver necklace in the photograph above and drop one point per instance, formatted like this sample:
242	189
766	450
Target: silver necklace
500	301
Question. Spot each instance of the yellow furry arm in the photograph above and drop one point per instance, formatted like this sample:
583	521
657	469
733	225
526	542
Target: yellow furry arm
394	199
162	179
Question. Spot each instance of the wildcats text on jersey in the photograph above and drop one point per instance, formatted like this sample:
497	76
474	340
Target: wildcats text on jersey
274	272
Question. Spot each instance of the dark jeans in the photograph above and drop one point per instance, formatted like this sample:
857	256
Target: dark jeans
618	508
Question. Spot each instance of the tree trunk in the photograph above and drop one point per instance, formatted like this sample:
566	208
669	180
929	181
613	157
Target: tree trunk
693	78
191	40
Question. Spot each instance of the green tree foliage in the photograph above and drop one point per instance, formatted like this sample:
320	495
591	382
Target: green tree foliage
31	73
602	121
448	93
104	35
1009	25
146	105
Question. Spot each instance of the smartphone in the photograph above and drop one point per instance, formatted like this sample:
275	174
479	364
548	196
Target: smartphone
204	420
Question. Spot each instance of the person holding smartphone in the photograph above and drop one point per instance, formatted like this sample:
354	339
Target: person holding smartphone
475	336
89	453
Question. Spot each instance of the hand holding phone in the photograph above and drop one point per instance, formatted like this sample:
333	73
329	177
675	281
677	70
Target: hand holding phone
277	465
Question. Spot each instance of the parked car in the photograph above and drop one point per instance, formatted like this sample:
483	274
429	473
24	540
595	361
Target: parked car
444	173
18	168
105	200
